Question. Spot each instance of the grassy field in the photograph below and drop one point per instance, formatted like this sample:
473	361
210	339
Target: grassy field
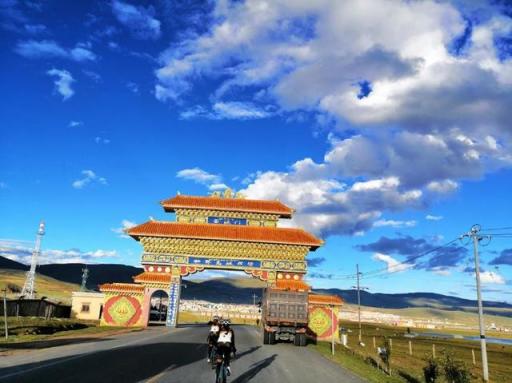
45	286
500	356
463	317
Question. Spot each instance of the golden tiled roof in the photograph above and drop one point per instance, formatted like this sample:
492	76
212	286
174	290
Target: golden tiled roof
227	204
153	277
225	232
325	299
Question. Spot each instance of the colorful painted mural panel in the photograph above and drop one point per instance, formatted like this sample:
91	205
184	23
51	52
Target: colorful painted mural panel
122	310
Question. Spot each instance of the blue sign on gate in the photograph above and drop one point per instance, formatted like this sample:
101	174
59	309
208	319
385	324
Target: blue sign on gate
196	261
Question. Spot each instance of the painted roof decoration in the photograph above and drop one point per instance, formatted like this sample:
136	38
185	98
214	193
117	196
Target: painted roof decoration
290	236
290	284
227	203
122	287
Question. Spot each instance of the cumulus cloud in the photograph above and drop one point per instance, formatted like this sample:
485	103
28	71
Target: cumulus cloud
199	175
35	49
429	108
437	258
62	82
21	251
492	277
74	124
125	225
88	178
430	217
138	19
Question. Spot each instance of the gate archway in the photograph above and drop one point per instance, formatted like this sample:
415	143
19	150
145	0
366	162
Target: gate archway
220	233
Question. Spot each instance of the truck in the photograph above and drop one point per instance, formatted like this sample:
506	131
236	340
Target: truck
284	316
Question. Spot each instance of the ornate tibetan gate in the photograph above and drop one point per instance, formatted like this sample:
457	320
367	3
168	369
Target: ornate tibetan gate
215	232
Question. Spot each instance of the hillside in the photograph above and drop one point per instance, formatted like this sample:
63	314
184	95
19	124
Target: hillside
241	290
72	272
46	286
419	300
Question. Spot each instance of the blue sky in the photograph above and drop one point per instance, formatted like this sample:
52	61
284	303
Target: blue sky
388	143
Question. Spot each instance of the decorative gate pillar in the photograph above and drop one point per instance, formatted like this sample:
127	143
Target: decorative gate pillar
173	307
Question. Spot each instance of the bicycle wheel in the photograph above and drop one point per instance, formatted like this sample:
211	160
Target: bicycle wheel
220	373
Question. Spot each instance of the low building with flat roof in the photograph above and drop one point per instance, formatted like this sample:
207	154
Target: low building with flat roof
87	305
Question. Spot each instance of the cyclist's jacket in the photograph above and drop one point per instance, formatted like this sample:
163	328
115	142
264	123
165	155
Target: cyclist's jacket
214	329
227	337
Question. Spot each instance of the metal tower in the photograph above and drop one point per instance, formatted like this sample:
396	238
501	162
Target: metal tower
85	274
29	286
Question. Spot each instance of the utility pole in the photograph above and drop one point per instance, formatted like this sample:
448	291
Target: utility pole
85	275
476	238
29	286
359	288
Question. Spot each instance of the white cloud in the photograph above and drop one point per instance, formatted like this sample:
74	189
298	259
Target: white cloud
21	251
394	223
199	175
139	20
88	177
63	81
216	187
431	120
233	110
393	266
50	49
239	111
492	277
74	124
125	225
430	217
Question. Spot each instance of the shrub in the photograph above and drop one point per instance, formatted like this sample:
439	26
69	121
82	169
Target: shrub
431	371
455	370
385	354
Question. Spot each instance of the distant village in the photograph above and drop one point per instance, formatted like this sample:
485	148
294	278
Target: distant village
348	313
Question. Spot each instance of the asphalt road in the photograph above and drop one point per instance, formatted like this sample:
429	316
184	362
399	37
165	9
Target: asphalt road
163	355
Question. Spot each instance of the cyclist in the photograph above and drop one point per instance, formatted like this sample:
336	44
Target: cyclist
212	335
226	343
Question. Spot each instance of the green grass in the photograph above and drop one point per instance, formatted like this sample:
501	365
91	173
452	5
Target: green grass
355	363
500	356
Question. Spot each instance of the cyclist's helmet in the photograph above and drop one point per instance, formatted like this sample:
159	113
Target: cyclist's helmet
215	318
226	323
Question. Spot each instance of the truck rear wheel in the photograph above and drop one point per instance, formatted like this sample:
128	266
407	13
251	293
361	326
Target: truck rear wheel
266	337
269	337
299	340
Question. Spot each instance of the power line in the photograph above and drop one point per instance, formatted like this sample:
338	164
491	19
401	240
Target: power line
497	228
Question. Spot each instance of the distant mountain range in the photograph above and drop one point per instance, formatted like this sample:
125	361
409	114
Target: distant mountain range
244	290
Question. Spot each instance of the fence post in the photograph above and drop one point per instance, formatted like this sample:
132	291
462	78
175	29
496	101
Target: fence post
5	314
374	342
391	343
473	355
433	350
410	347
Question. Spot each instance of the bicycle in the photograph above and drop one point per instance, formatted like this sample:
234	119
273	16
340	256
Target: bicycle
221	372
212	355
